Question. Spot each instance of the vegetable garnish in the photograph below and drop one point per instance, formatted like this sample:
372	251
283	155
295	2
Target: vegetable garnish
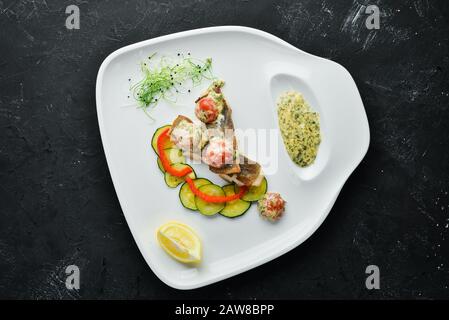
186	170
206	110
165	161
215	199
167	77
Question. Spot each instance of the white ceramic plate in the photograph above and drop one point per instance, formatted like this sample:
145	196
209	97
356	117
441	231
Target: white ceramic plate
257	67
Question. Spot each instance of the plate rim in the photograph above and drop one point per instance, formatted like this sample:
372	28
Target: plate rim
105	144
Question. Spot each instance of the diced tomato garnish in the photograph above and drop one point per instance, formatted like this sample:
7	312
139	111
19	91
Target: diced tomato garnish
206	110
207	104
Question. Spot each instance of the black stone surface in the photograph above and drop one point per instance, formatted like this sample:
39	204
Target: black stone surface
58	205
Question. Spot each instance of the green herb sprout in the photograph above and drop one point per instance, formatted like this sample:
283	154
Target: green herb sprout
165	78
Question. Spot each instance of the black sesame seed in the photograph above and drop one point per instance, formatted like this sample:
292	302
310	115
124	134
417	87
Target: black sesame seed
179	54
188	53
188	90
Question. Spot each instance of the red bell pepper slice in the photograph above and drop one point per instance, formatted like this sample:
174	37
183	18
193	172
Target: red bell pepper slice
165	162
181	173
215	199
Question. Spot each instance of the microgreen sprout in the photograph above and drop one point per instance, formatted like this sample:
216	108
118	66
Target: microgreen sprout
165	78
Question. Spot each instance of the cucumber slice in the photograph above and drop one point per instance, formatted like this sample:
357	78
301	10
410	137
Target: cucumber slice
173	181
157	133
186	195
234	208
174	155
255	192
209	208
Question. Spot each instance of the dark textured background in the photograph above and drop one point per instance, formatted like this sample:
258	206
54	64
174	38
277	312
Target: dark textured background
58	205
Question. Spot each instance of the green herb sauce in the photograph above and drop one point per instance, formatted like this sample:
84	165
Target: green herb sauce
300	128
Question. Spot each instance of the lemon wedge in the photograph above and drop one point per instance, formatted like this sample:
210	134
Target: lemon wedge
180	242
